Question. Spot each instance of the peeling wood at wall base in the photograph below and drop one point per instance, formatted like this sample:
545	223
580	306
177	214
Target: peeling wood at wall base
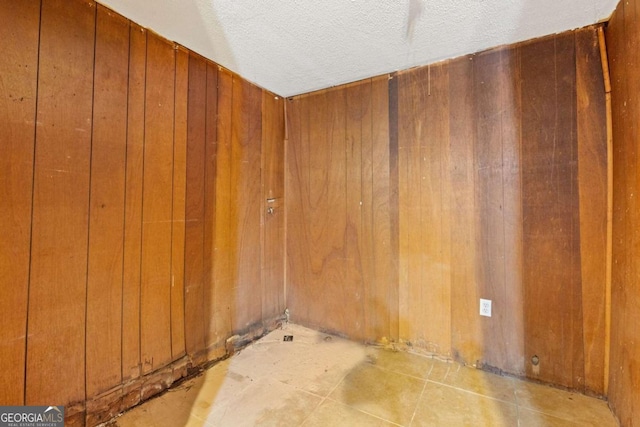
110	403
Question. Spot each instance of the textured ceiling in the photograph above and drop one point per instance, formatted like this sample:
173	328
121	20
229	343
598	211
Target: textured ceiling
295	46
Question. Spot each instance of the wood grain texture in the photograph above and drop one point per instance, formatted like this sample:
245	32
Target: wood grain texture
511	339
194	205
436	213
17	134
620	385
498	201
122	127
246	130
106	213
424	199
224	274
476	172
328	207
489	199
357	201
466	334
131	366
57	297
212	334
273	193
623	42
553	313
298	267
179	202
155	292
592	182
380	174
394	208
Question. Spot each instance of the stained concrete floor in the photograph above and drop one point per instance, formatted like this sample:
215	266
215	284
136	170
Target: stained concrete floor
321	380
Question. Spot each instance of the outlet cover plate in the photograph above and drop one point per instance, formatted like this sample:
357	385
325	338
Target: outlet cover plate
485	307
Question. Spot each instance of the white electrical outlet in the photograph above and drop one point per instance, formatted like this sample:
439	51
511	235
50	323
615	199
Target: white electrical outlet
485	307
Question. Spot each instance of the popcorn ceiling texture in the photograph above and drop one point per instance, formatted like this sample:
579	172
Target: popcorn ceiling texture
296	46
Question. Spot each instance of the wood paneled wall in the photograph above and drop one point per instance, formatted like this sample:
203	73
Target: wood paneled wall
411	196
135	235
623	43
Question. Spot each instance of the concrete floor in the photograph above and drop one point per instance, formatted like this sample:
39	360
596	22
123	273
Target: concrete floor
321	380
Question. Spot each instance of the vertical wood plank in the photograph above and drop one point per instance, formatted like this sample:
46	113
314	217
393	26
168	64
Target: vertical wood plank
511	340
222	268
210	147
179	202
18	68
356	292
384	255
155	295
489	201
194	207
552	277
133	203
410	117
435	214
246	136
368	297
57	299
466	334
623	42
273	193
617	69
592	181
298	273
318	171
106	209
329	191
633	313
394	207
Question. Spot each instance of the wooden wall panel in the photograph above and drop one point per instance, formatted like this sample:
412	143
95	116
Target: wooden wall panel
552	277
489	196
212	334
357	201
410	117
497	197
319	166
466	333
57	294
155	293
383	218
508	345
179	202
106	213
620	387
328	204
592	187
298	267
133	204
18	68
394	208
273	244
194	205
224	274
623	42
246	195
477	172
424	194
109	136
435	212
